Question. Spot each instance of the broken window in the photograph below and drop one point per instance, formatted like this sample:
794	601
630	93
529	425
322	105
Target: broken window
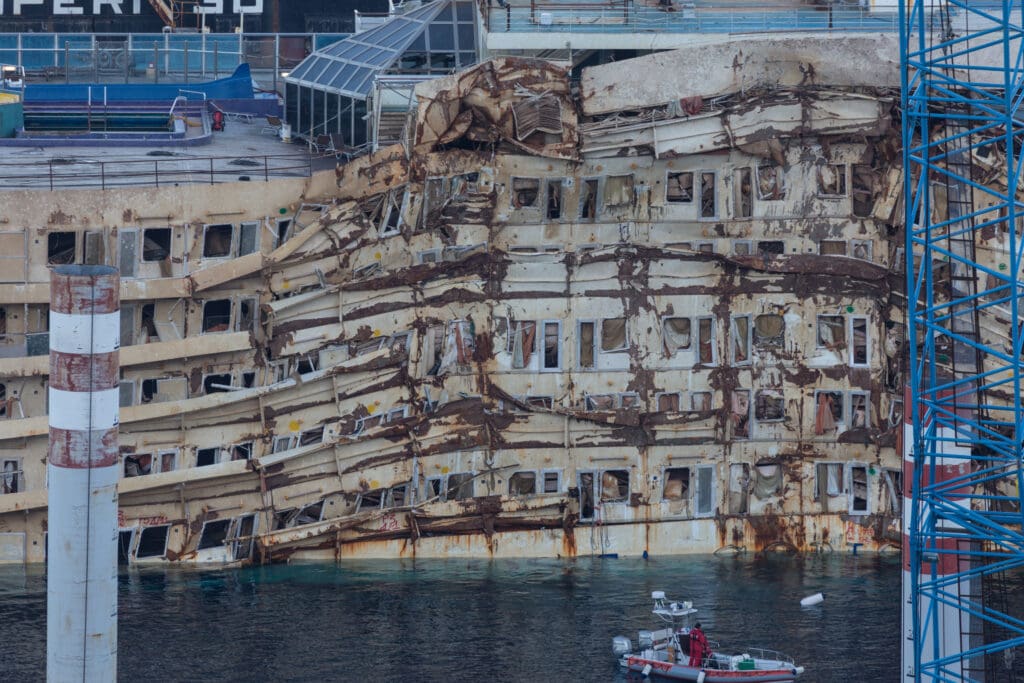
614	486
588	199
828	411
246	318
862	249
892	491
741	247
704	502
551	358
153	541
859	413
428	256
832	248
217	240
668	402
435	194
585	483
217	315
214	383
522	342
391	218
863	196
740	413
859	337
168	461
554	203
618	190
460	486
706	341
311	436
769	330
613	335
214	534
771	248
11	476
828	482
739	488
767	477
370	500
522	484
156	244
677	483
858	488
397	496
628	399
587	345
675	335
832	180
138	464
525	193
679	187
770	182
95	249
306	365
459	345
147	324
369	270
740	340
432	347
395	414
283	443
61	247
708	200
3	400
831	331
248	237
464	185
700	401
599	401
537	113
244	536
552	482
242	451
744	194
769	406
206	456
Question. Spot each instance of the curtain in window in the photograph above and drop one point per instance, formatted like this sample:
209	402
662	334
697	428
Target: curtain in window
676	335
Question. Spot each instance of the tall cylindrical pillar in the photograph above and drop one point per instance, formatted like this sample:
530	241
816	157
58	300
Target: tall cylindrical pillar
81	591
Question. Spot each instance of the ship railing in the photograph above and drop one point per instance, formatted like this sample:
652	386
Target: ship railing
70	173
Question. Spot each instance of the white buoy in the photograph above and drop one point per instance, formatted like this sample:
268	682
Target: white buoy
812	600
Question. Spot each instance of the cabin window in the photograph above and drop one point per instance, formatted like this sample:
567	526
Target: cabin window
242	451
740	413
138	464
153	541
858	487
704	501
284	443
828	482
311	436
156	244
126	394
246	317
859	410
832	180
675	334
892	491
206	456
552	481
677	483
739	488
679	187
428	256
587	345
706	341
832	247
614	486
769	330
769	406
554	204
391	220
12	478
700	401
859	337
95	249
217	315
588	199
465	184
831	331
740	336
214	534
767	479
551	358
522	484
862	183
435	193
306	364
771	248
525	193
61	247
708	197
284	229
147	324
613	335
744	194
3	400
459	486
861	249
396	496
217	240
668	402
828	411
585	483
742	247
618	191
168	461
215	383
248	237
244	537
770	183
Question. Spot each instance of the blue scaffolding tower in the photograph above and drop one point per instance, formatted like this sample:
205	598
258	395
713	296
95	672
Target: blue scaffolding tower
962	89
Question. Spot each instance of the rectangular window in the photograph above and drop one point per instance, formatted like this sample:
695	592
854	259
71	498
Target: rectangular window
704	502
740	413
206	456
552	481
858	488
525	193
770	183
245	316
216	315
522	484
588	199
613	335
156	244
459	486
700	401
12	478
614	486
554	200
679	187
618	191
832	180
217	240
892	491
168	461
832	247
769	406
740	337
831	332
828	482
128	254
153	541
138	464
739	488
708	197
677	483
770	248
859	350
248	238
860	410
744	194
61	248
522	342
585	484
828	412
95	249
668	402
863	196
551	357
742	247
675	334
861	249
706	341
769	330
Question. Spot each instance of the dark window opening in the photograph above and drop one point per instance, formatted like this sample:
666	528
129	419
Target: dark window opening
244	536
214	534
217	240
148	324
246	315
206	456
214	383
677	483
588	199
708	201
551	482
772	248
216	315
149	390
311	436
614	485
587	345
679	188
60	247
832	180
859	489
138	465
124	547
156	244
283	229
370	500
460	486
306	365
863	181
153	541
554	199
248	379
744	194
241	451
586	491
552	346
525	192
522	484
769	407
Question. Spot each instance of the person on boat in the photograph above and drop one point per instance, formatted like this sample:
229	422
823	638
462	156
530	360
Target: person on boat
698	645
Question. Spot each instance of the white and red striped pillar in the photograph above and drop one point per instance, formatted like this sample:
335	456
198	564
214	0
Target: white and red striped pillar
952	624
82	470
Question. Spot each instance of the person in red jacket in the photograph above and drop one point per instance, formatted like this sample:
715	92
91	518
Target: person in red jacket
698	645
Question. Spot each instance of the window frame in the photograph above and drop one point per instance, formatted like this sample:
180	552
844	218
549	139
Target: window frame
541	340
851	345
734	338
668	175
715	210
712	493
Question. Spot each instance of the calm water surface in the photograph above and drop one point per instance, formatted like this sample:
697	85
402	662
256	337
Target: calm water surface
536	620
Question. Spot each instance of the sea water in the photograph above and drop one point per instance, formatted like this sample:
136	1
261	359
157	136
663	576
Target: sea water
470	620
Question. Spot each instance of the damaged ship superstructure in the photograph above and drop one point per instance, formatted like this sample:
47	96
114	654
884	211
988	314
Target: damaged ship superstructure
561	318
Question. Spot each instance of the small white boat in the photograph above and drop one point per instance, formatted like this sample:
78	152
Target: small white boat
665	653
